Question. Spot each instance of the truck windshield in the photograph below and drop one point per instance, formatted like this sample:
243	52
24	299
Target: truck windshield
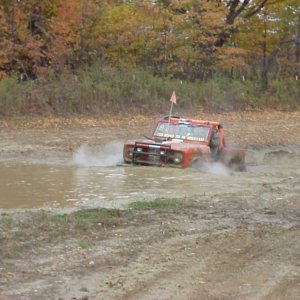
182	131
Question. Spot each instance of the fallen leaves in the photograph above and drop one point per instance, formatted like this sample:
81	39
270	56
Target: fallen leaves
241	128
75	121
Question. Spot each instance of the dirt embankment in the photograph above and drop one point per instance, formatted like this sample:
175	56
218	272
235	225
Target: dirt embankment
234	244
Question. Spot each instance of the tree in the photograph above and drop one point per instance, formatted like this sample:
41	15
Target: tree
25	36
237	9
187	39
269	39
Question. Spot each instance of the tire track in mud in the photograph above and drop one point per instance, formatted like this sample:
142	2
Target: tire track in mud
215	272
187	258
229	263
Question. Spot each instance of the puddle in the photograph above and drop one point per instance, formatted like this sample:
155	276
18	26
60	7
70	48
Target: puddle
41	185
85	181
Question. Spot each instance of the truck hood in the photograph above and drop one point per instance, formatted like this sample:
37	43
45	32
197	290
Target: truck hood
177	145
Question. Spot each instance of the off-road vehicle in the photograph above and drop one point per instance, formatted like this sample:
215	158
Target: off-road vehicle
179	142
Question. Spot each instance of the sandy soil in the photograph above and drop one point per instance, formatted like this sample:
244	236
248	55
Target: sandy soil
228	245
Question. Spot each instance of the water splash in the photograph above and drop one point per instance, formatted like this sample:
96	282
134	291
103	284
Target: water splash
108	155
215	168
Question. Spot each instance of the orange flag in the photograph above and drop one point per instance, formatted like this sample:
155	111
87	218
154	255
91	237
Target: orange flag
173	97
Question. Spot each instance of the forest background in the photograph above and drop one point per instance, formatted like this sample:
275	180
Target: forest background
93	57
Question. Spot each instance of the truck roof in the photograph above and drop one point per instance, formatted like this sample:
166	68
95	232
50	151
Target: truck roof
177	119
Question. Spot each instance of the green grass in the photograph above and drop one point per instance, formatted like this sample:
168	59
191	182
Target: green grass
86	244
154	204
96	214
85	215
58	218
8	221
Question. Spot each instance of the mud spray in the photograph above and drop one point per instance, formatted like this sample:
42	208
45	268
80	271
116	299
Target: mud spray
108	155
215	168
111	155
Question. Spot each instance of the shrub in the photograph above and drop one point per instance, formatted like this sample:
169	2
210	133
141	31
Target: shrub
97	90
13	96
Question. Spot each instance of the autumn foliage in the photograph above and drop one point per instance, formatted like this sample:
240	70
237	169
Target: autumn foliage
182	39
187	38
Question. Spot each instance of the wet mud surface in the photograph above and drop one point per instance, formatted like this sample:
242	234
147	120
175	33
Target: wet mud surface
231	236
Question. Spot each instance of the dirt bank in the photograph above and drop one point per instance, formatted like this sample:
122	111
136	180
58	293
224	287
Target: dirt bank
240	243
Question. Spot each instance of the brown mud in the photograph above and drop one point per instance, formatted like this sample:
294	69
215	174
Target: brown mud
234	241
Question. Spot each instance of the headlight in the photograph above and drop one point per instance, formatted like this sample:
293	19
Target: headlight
177	158
139	149
130	150
162	152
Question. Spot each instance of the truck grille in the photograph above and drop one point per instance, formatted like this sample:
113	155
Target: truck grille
150	153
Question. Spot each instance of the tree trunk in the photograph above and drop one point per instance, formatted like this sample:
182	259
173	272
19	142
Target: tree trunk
264	75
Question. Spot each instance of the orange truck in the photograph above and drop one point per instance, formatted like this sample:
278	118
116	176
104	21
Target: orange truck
179	142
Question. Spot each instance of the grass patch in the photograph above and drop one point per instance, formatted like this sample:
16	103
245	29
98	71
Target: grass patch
154	204
86	245
7	221
58	218
96	214
86	215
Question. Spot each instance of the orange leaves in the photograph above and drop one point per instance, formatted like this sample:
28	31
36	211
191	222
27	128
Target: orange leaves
230	57
60	122
173	37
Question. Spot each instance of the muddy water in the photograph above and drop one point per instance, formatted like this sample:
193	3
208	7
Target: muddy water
88	179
